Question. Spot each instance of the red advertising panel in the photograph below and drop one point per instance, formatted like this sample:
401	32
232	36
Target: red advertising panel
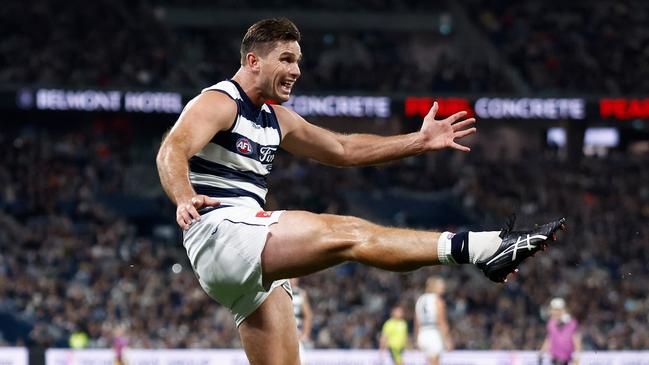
624	108
419	106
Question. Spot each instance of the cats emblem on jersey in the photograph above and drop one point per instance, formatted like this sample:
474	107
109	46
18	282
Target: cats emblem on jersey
244	146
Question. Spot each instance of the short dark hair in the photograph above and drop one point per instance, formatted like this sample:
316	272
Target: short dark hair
262	35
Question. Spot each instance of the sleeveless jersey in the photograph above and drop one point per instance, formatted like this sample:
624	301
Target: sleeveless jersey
561	339
233	167
426	310
298	300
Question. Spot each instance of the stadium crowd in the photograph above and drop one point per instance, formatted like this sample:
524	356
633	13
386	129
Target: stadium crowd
125	44
358	6
556	46
69	263
572	46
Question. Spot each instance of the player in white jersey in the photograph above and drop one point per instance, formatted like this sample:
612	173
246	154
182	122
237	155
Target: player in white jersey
431	326
220	150
303	314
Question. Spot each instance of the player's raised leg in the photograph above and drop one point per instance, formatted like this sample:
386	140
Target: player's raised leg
301	243
269	335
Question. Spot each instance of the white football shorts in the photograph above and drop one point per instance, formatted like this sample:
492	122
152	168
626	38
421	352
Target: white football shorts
224	249
430	342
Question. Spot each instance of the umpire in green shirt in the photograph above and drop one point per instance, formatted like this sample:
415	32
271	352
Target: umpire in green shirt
394	335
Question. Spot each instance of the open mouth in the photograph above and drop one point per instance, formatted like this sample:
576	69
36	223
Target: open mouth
286	86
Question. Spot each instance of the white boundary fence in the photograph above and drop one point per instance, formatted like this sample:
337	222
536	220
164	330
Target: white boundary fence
13	356
326	357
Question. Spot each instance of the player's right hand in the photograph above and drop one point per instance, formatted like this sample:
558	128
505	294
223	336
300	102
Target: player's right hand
187	210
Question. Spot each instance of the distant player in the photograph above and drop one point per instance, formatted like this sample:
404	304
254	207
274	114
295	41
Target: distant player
120	342
431	327
303	314
394	335
563	341
214	165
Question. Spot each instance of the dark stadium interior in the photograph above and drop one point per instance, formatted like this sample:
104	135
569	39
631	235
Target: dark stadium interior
88	238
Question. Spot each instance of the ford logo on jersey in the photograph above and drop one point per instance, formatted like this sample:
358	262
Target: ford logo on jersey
244	146
267	154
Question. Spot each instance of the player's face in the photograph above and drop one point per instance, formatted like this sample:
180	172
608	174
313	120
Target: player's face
556	313
280	70
440	287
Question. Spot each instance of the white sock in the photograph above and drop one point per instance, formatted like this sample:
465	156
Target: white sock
444	249
483	245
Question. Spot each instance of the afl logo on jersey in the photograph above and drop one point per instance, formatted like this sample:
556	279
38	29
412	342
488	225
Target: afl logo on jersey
244	146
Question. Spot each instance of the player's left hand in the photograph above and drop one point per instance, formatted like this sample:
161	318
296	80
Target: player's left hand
439	134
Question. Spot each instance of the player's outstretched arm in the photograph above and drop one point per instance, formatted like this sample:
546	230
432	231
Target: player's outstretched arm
305	139
201	119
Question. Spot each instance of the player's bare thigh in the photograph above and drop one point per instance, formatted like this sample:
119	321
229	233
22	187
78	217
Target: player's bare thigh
269	334
301	243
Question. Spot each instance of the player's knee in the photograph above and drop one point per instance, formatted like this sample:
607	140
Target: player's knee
345	234
356	236
359	240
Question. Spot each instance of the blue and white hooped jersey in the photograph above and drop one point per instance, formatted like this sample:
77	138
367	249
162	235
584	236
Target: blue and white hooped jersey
426	310
235	164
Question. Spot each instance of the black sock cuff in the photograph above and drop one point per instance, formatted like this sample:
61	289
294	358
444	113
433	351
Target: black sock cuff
460	247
